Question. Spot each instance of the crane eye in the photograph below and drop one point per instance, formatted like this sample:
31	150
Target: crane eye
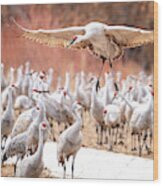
115	94
44	125
105	111
42	76
37	108
64	93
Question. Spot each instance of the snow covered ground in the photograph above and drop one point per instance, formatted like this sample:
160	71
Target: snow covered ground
99	164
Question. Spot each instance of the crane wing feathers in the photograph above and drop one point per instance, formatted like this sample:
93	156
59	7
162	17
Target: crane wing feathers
129	37
51	38
46	39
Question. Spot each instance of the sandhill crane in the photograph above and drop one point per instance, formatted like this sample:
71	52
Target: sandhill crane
5	95
23	102
25	83
11	75
11	80
104	41
19	79
34	127
58	109
23	121
8	117
66	108
16	147
112	118
32	166
70	140
141	118
97	113
83	92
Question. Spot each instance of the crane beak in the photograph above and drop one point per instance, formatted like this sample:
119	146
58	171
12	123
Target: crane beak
71	42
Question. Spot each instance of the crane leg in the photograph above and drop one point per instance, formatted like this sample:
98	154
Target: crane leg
112	70
64	170
98	133
106	135
140	147
15	166
110	64
101	134
144	139
148	149
14	169
52	131
98	80
110	147
133	142
72	167
151	137
116	134
135	149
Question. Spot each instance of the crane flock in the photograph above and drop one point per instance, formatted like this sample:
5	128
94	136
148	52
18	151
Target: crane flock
121	110
32	107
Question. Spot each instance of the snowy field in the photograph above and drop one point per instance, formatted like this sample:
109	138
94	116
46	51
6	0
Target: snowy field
99	164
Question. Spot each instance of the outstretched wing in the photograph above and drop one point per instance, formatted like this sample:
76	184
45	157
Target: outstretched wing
129	37
52	38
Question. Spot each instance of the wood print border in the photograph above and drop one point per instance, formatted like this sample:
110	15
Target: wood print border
155	90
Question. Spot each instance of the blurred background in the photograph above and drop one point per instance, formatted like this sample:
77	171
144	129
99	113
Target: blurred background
17	50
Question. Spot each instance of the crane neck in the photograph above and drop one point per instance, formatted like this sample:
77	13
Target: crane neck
10	102
19	78
94	100
78	121
39	152
83	81
11	76
107	99
67	82
42	113
149	101
59	83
